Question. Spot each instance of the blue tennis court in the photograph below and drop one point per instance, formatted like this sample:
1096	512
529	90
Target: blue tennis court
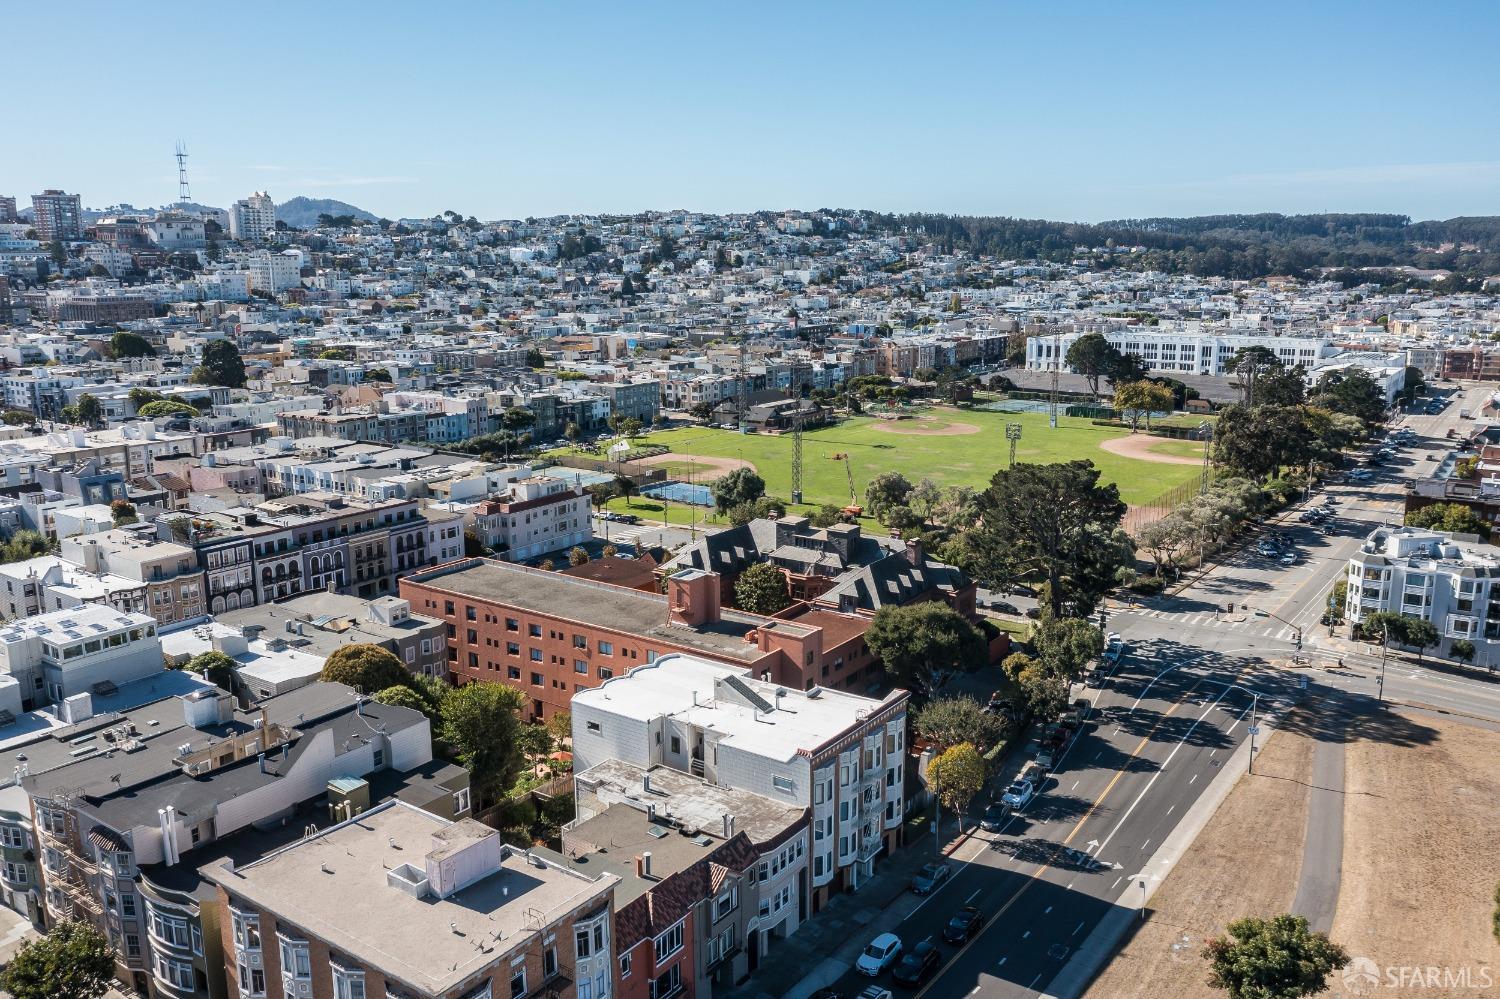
681	492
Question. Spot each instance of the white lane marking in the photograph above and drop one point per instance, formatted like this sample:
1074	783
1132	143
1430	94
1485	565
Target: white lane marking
1075	786
972	897
1025	935
1192	778
1047	910
1001	962
1033	982
1187	735
1170	809
1145	844
1076	929
1116	884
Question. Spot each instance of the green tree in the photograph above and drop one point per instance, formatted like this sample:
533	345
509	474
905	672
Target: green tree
1275	958
379	375
1449	517
739	486
222	365
403	696
73	961
140	396
1414	384
1140	399
1462	650
625	486
367	668
1278	385
1092	356
17	418
1054	523
948	721
336	354
920	645
517	418
90	410
122	512
1352	391
1248	365
1067	644
1258	442
886	490
216	667
165	407
629	428
577	556
1337	597
535	358
481	723
826	516
128	344
956	775
761	589
59	252
1421	635
1044	685
924	499
24	544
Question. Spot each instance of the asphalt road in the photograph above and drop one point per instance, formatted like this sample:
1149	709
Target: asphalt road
1172	714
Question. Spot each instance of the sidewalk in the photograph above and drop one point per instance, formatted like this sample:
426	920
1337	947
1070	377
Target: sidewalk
826	945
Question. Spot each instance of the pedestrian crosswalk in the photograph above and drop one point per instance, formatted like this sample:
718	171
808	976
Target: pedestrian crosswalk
1258	627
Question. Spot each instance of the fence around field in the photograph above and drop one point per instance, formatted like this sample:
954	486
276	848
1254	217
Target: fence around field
680	492
1139	515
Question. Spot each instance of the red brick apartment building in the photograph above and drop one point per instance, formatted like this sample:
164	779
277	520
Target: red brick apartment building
550	635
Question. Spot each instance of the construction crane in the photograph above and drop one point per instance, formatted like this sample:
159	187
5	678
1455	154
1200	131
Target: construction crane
853	509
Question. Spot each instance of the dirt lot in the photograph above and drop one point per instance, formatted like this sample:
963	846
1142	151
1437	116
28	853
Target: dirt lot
1245	862
1420	863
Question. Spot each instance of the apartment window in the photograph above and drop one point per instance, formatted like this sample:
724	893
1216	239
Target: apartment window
549	962
447	606
460	801
246	929
15	873
171	930
669	943
132	945
536	680
13	837
580	666
534	630
726	902
513	672
348	983
536	655
470	614
252	980
676	746
624	965
783	784
518	983
667	983
512	648
295	961
473	636
511	624
177	974
606	648
605	672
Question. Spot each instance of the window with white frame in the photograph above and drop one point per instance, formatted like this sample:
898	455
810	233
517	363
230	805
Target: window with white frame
246	929
348	983
460	801
669	942
252	981
170	930
726	902
13	837
296	963
518	982
177	974
625	965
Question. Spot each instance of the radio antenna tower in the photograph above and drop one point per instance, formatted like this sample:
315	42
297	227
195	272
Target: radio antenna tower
184	193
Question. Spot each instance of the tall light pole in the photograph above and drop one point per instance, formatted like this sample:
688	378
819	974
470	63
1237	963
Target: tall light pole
1013	434
1207	430
1385	650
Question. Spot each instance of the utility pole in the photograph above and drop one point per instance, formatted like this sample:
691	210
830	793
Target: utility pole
1385	650
1056	373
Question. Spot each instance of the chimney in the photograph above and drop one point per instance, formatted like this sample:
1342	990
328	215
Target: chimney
693	597
728	825
914	552
640	866
646	864
651	811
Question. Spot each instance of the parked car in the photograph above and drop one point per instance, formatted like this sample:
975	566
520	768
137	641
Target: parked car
1019	794
965	923
827	994
878	954
930	877
1290	558
917	965
993	819
875	992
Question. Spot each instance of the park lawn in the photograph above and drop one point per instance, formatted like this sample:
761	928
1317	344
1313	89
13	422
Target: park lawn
966	459
1192	420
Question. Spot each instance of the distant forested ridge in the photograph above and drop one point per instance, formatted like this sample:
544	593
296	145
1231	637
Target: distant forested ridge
1236	246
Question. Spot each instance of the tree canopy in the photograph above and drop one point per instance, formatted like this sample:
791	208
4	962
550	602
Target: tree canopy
1449	517
1052	522
761	589
957	774
886	491
367	668
1093	357
73	961
165	407
128	344
481	722
920	645
737	487
222	365
948	721
216	667
1275	958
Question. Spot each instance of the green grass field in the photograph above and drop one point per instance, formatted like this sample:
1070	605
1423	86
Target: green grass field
967	459
1182	449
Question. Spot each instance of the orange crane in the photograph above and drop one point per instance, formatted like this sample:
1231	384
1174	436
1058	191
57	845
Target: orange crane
853	510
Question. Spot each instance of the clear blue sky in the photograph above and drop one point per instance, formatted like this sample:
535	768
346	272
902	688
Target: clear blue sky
1063	110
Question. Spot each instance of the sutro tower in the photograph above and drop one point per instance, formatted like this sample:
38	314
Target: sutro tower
184	194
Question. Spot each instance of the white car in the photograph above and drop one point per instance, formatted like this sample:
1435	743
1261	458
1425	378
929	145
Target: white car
1018	795
880	954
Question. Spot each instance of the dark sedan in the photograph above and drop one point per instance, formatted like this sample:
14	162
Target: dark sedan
917	965
965	923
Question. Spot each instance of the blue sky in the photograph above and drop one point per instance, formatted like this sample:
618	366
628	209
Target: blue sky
1064	110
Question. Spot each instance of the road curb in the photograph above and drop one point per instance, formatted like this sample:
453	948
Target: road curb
1099	947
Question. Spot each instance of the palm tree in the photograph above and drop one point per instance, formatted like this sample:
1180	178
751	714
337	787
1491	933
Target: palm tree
625	486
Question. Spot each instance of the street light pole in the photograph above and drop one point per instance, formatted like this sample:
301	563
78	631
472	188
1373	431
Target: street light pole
1385	649
1254	703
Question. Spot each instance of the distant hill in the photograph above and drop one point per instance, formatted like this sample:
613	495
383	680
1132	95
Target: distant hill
303	212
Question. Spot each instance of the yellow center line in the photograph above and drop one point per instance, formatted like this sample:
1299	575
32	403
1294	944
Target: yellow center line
1044	867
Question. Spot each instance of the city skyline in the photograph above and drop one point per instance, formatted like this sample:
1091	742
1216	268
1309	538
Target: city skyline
1094	114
